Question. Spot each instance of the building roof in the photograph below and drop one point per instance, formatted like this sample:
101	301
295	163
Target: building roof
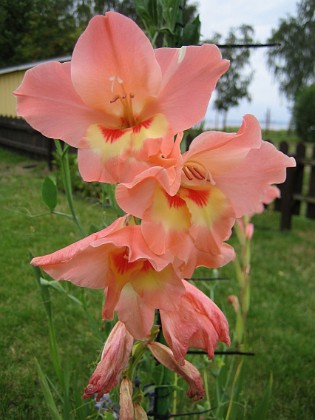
27	66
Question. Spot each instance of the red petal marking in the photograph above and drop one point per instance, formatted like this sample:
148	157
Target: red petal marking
174	201
111	134
121	262
146	266
145	124
199	197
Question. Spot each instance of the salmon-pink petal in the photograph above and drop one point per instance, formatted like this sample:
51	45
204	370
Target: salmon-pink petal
81	263
115	151
164	240
92	169
137	199
135	313
223	256
113	57
146	291
217	153
112	295
271	192
114	360
245	185
189	76
195	322
212	217
49	103
169	217
123	168
138	250
164	164
160	290
188	371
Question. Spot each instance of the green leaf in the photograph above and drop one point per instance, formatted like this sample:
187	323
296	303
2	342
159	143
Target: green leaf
191	32
47	393
261	410
57	286
49	192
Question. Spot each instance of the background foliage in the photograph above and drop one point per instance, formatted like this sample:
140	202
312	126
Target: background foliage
304	113
293	62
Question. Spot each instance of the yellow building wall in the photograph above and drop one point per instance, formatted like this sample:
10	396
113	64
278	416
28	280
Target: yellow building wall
8	83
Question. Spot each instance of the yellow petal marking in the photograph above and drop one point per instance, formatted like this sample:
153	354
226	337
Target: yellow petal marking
170	211
206	204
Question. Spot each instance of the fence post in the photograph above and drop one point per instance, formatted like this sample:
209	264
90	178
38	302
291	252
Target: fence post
298	177
287	193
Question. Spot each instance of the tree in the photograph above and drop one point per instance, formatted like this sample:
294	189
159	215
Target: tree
303	113
233	85
32	30
293	62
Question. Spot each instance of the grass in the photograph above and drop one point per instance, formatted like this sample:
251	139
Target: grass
280	324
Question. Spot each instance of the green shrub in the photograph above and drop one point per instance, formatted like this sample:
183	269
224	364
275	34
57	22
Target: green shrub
304	113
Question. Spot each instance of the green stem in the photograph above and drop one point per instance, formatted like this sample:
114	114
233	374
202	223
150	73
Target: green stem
137	353
63	153
236	376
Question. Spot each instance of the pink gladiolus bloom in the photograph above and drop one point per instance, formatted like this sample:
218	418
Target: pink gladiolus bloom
195	321
116	92
188	371
241	165
114	360
224	176
118	260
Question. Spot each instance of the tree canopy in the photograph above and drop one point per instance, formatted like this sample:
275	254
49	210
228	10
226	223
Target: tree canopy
32	30
293	62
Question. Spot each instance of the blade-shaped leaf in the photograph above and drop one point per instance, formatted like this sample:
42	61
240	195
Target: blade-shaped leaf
49	192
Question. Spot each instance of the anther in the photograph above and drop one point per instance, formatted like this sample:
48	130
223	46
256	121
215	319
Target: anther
197	174
186	172
114	99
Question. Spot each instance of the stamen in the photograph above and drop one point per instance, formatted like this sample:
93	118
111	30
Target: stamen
125	100
114	99
195	170
197	173
186	172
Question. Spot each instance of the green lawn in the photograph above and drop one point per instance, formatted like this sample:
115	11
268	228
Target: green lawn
280	325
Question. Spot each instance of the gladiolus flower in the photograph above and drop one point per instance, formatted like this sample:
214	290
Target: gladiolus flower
233	300
140	414
246	229
116	92
188	371
118	260
127	411
224	177
114	360
242	166
195	321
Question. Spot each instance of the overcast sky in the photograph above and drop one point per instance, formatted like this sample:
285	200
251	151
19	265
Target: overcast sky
219	16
